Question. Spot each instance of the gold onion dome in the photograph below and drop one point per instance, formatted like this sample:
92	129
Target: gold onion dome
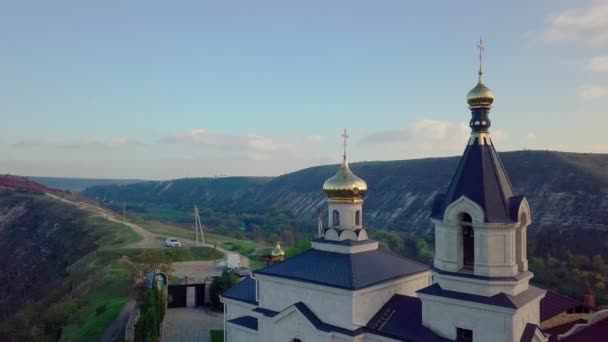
481	95
345	184
277	251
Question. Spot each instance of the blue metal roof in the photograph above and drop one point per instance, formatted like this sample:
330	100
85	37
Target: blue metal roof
246	321
401	318
346	271
554	304
406	325
482	178
529	331
244	291
501	299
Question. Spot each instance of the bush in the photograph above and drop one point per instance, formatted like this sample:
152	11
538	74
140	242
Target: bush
220	285
217	335
100	309
147	328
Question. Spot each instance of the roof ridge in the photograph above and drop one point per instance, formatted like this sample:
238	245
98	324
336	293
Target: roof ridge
496	164
403	258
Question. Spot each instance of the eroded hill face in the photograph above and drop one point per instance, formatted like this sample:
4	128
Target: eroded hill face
568	192
39	239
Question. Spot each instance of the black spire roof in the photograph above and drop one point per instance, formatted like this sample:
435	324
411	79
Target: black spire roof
480	176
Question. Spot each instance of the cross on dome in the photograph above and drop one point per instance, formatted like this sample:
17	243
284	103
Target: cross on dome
481	49
345	136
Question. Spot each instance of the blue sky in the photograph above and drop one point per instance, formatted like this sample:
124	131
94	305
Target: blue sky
157	89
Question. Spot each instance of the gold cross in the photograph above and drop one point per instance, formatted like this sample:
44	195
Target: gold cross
345	136
481	51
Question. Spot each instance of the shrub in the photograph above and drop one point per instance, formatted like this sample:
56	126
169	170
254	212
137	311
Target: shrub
220	285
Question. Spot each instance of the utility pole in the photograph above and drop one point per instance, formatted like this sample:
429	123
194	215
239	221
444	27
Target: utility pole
195	224
198	226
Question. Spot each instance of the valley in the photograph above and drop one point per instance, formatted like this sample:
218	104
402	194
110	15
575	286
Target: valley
71	265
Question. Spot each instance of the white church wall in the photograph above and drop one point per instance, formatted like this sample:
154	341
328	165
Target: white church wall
235	333
482	287
448	246
294	325
529	313
333	306
368	301
487	323
369	246
495	251
235	309
347	212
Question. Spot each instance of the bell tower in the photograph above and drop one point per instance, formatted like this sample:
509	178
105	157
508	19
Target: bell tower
345	194
480	243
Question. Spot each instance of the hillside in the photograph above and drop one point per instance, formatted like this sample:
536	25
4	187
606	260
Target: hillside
568	194
77	184
22	184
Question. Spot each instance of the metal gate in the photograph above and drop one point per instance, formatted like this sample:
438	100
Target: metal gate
200	294
179	295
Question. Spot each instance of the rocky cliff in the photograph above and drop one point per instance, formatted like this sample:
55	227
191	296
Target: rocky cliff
39	239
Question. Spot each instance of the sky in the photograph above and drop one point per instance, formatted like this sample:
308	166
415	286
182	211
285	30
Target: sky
171	89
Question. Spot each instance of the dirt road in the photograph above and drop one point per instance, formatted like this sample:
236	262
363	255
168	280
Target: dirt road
148	239
151	240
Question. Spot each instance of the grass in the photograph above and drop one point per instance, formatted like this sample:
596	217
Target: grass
178	254
250	249
110	285
217	335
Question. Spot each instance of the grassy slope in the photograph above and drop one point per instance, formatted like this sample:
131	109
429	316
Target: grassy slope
250	249
96	286
114	290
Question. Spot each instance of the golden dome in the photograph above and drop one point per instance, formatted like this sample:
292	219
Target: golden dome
480	96
345	184
277	251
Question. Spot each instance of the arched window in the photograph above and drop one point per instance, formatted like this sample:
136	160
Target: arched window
468	241
336	218
296	340
357	218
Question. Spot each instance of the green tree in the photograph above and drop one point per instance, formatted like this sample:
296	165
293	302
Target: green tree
152	314
301	246
220	285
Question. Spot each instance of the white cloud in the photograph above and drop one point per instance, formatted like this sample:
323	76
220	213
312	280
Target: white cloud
314	139
423	138
85	143
585	25
599	64
499	136
531	135
224	141
594	92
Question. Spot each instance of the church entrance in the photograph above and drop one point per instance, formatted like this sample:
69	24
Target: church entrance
468	242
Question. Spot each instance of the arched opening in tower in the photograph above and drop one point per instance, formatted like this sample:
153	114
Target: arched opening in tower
336	218
468	241
357	218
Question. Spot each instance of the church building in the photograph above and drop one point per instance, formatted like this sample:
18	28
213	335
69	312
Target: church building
347	289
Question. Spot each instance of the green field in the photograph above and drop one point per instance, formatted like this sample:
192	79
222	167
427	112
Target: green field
176	254
250	249
217	335
105	282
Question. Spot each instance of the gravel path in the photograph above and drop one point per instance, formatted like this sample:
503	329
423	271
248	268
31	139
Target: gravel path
191	324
